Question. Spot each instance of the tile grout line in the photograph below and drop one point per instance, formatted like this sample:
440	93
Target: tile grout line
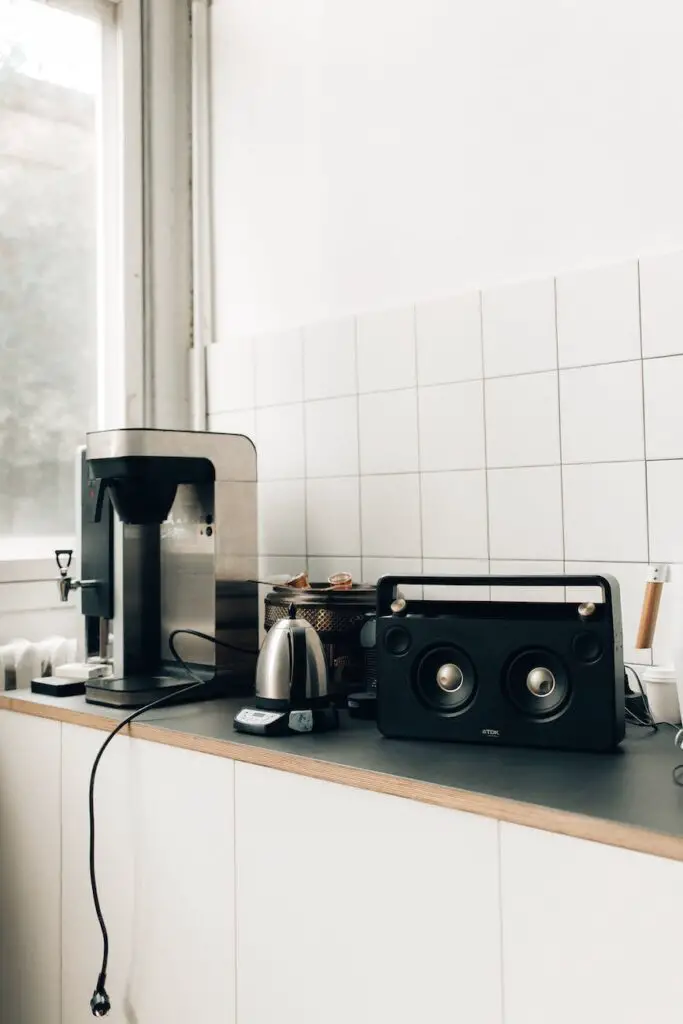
462	558
644	419
650	653
358	442
474	469
563	521
486	443
420	516
453	383
305	445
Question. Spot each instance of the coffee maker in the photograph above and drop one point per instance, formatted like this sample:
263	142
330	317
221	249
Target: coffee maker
168	541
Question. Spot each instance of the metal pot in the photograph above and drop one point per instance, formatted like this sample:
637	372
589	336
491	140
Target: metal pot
338	616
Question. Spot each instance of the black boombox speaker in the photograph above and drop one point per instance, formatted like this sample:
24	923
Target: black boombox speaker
531	674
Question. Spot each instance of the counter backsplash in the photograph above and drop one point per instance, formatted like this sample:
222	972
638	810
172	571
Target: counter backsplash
533	427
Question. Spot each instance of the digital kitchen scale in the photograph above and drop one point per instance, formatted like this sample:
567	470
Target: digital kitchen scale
286	723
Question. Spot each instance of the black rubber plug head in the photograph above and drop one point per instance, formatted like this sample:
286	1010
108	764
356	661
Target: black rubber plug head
99	1004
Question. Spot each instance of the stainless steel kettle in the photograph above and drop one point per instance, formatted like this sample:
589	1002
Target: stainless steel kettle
291	671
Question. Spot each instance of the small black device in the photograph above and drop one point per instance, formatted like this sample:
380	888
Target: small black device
537	674
262	722
52	686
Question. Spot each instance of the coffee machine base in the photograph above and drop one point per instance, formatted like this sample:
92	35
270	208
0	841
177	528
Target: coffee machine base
137	691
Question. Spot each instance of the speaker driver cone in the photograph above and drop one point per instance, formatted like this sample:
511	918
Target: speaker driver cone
445	679
541	682
537	683
449	677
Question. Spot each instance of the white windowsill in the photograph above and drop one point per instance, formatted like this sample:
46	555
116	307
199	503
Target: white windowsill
23	559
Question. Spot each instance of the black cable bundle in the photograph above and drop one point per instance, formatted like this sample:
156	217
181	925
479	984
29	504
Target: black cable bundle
648	722
100	1004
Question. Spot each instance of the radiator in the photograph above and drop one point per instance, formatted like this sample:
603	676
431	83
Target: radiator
23	660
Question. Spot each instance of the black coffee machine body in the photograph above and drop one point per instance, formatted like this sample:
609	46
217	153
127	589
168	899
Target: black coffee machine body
168	540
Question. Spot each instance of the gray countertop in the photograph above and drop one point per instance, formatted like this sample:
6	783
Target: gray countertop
627	798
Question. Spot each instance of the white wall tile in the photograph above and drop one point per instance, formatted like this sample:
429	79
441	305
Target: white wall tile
602	413
388	432
438	429
282	517
665	499
449	339
667	642
456	567
333	516
522	421
279	368
230	375
519	328
454	523
631	578
661	304
331	428
604	512
525	513
390	516
330	359
386	350
320	567
598	319
280	442
530	593
373	568
451	420
664	407
276	567
241	421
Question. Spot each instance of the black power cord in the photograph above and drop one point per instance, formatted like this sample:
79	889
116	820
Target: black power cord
100	1004
649	723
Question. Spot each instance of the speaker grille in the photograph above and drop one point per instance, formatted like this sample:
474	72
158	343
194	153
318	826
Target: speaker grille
445	679
537	683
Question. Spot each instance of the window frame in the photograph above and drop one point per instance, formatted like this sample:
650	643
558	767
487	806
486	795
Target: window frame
144	184
119	243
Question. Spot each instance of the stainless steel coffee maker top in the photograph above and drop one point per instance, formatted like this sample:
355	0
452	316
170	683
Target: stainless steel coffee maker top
231	455
291	667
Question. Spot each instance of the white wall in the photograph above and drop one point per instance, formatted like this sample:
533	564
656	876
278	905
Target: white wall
373	155
373	152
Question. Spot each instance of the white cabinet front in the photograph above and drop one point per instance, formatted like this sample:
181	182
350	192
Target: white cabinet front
591	933
29	870
165	865
354	908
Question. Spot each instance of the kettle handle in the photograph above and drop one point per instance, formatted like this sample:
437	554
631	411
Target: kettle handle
298	663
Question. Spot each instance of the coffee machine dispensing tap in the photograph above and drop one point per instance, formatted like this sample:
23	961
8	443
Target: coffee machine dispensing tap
65	582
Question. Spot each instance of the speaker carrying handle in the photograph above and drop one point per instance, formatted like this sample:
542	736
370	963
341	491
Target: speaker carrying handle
387	585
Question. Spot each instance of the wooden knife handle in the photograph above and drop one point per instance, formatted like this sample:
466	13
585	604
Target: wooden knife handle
648	615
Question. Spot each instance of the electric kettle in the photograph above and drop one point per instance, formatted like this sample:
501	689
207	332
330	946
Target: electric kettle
291	683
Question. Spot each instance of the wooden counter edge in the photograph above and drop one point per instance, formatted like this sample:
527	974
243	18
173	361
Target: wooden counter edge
598	830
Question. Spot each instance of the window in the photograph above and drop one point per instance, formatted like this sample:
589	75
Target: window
50	116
